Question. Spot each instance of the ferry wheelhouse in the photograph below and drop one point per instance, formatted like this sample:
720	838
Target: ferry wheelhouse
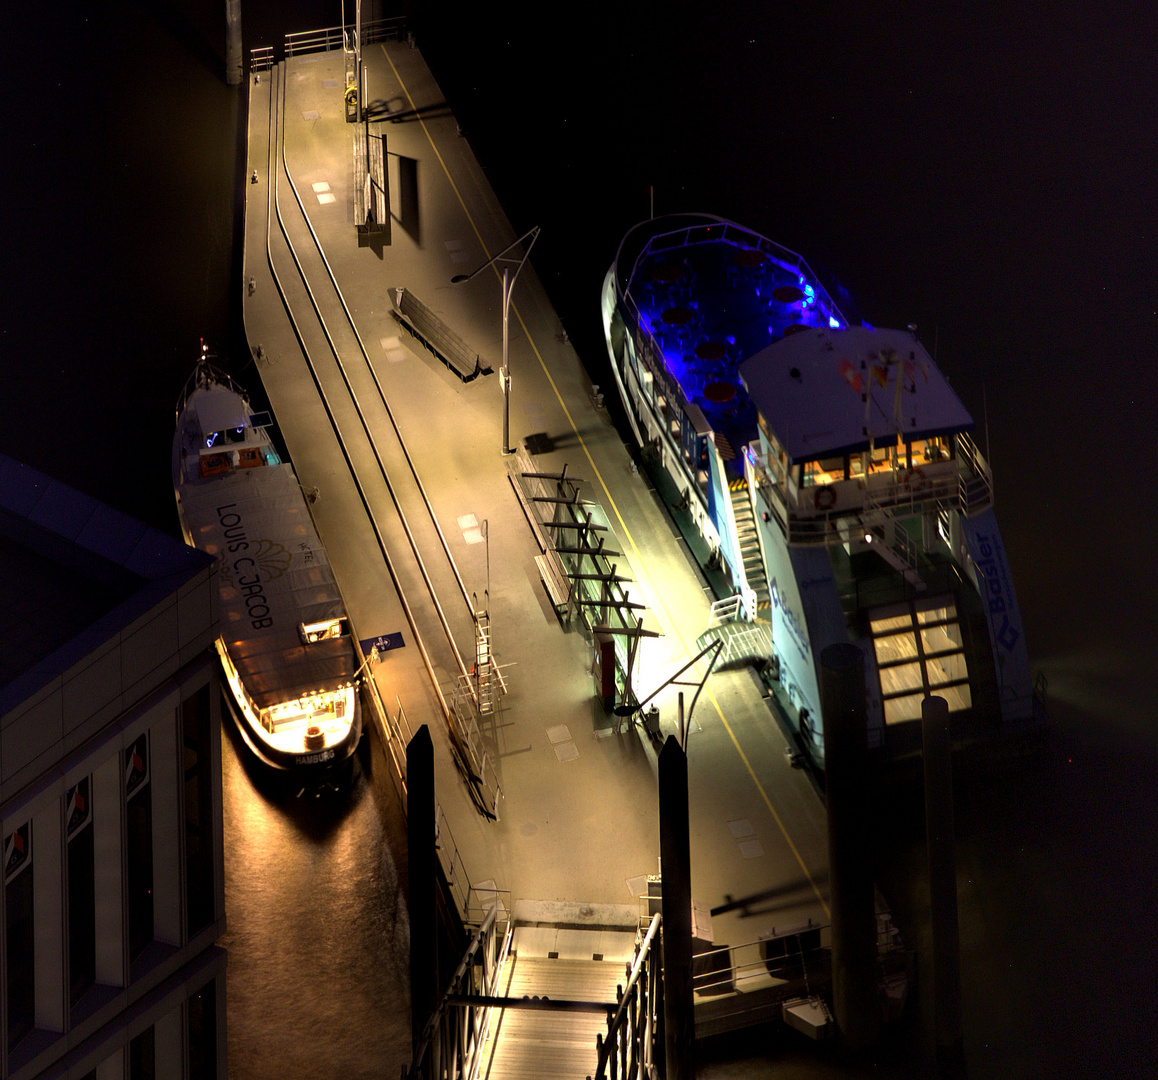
285	642
828	471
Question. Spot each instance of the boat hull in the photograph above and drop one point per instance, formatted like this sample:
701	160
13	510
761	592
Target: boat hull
286	648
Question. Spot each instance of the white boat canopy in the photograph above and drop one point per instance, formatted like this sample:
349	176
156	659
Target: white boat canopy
811	389
274	577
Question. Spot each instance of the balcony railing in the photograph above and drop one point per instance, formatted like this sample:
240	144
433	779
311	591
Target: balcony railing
828	513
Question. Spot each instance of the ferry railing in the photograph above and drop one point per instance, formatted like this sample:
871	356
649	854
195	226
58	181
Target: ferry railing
481	775
717	231
634	1042
975	491
727	610
395	732
894	496
471	901
335	37
781	959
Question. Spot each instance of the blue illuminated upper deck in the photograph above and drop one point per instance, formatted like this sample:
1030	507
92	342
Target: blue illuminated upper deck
710	294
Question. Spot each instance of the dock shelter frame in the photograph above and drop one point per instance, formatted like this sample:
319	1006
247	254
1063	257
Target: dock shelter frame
572	533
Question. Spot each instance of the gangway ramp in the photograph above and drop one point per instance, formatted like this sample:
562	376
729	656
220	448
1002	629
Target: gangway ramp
563	963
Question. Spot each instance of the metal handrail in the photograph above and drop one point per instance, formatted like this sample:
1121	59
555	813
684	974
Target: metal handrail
740	967
716	230
468	1035
261	58
333	37
640	1061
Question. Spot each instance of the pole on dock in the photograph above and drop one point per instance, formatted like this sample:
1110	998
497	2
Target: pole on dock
854	938
233	73
939	838
422	862
675	859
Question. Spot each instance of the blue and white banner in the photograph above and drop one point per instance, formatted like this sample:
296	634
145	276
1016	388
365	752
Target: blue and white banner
1006	634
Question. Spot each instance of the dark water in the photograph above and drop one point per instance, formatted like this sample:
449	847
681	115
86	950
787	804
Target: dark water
318	930
990	179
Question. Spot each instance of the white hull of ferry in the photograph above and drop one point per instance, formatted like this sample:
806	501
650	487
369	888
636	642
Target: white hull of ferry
285	646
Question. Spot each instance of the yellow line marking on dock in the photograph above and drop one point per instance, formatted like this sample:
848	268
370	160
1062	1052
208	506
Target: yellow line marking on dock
602	483
768	802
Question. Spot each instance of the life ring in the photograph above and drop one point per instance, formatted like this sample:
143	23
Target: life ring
825	497
915	480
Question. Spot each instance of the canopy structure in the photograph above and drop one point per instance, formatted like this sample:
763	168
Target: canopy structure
274	577
810	389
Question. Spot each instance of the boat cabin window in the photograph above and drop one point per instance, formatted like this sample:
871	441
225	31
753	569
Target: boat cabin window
823	471
919	651
221	438
884	457
320	631
925	451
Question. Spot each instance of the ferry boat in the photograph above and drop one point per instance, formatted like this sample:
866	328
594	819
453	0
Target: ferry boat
285	642
827	472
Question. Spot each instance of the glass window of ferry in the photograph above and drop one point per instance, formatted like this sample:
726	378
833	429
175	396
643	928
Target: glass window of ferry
919	651
926	451
824	471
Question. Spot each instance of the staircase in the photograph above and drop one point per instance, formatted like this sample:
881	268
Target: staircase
564	965
748	543
891	541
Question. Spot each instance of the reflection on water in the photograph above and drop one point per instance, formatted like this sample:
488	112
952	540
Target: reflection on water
318	929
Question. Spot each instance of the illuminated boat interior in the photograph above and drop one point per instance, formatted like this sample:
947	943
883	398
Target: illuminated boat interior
705	297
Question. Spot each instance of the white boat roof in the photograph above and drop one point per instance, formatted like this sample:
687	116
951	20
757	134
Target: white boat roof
218	408
272	539
809	389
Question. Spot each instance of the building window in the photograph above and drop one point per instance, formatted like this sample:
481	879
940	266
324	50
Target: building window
197	766
203	1033
919	651
139	845
20	974
143	1056
81	890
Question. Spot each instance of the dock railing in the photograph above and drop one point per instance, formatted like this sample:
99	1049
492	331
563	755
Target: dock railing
337	37
634	1040
453	1038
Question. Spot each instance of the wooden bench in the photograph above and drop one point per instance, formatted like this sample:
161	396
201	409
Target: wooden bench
557	583
439	338
361	179
370	191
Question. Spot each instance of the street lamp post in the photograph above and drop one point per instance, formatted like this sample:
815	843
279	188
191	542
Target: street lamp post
508	287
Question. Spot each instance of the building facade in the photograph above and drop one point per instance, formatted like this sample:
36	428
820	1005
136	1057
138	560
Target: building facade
110	794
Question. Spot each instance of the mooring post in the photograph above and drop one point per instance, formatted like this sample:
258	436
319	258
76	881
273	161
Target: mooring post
676	906
422	862
850	871
939	838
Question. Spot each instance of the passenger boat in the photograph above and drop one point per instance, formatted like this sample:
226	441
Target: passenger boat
827	471
285	642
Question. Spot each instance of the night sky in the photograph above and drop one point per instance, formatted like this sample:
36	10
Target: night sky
987	172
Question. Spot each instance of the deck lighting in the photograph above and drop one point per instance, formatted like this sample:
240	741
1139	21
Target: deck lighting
508	286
